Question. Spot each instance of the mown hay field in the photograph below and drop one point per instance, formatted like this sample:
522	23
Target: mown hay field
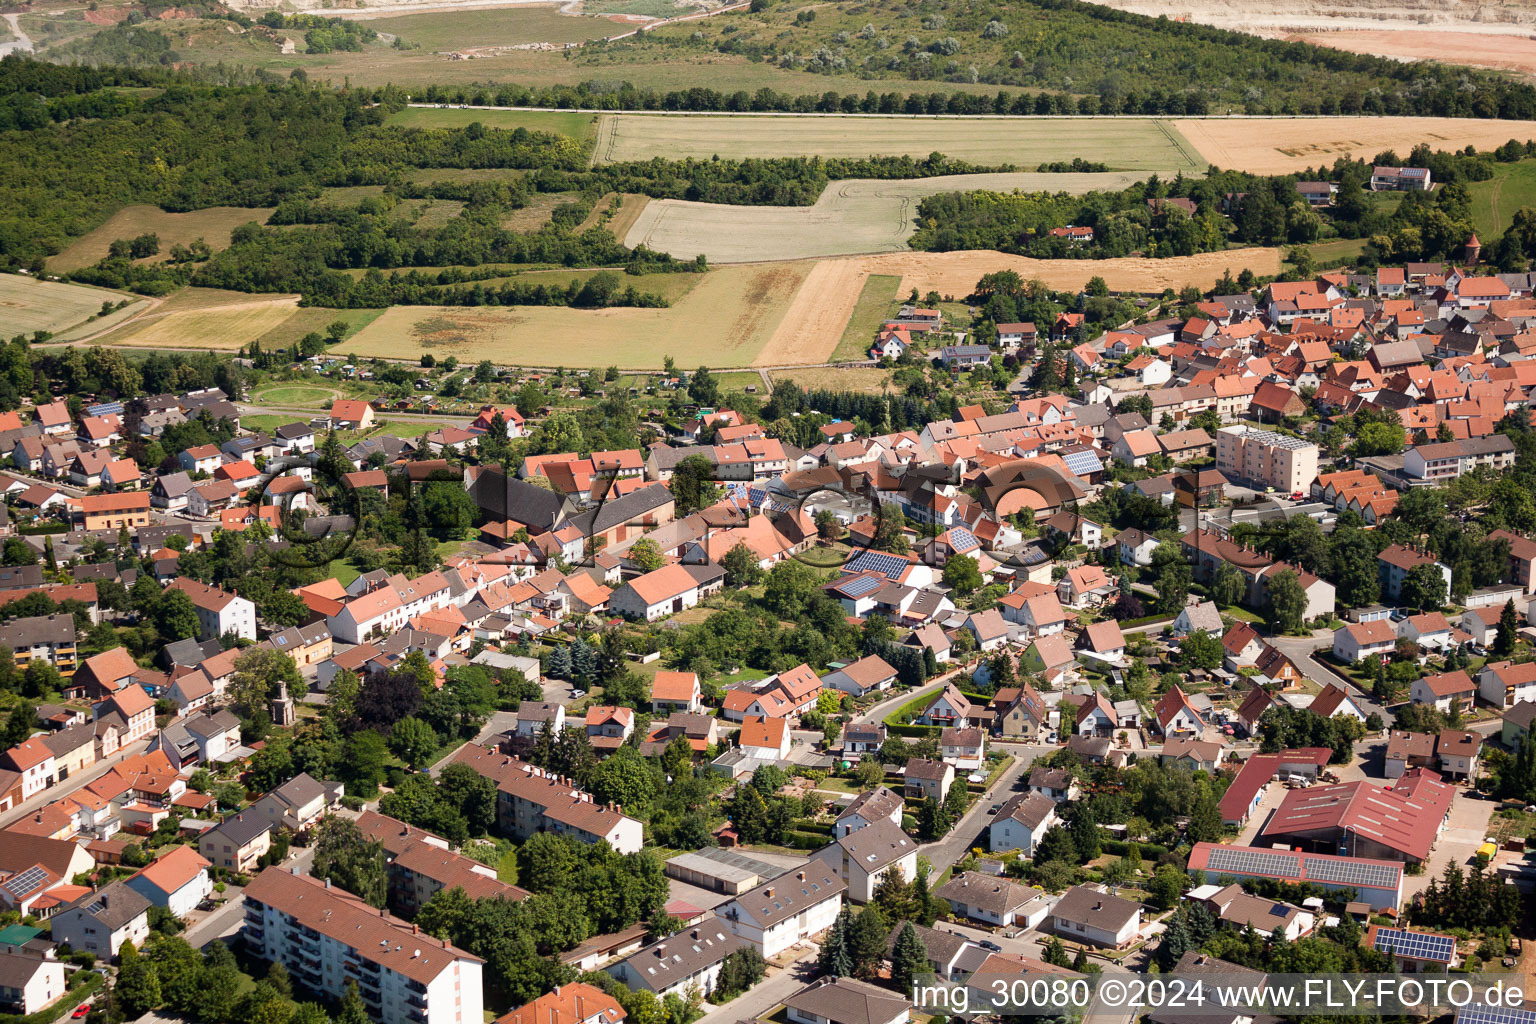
726	319
1130	144
212	225
28	305
854	216
221	328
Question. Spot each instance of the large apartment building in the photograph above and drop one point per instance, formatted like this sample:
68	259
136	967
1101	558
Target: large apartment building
1264	458
531	800
327	937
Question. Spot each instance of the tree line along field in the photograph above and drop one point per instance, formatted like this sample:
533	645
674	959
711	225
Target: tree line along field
1133	144
574	124
851	216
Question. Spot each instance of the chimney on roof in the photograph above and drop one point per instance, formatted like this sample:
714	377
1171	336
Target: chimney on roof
1098	905
383	912
327	881
768	893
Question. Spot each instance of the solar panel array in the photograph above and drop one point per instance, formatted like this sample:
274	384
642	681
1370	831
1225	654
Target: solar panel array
1034	556
962	539
886	565
858	586
1374	874
26	881
1253	862
1482	1013
1082	463
1419	945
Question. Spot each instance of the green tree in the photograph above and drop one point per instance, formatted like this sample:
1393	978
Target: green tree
835	960
909	958
347	858
1200	650
645	555
1172	585
413	741
1424	587
138	983
363	764
693	486
258	673
176	616
866	939
1287	601
1228	586
962	573
1509	627
1205	820
740	565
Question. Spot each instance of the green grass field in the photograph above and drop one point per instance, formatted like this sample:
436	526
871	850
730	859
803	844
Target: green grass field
1495	201
1123	144
873	307
28	305
577	126
462	29
295	394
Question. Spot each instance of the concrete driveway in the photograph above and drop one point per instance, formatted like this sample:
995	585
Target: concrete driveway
1458	841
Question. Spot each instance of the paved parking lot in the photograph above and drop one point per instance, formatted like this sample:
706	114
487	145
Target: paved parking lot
1458	841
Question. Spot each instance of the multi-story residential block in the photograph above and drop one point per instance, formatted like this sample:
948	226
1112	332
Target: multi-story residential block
787	909
1439	463
218	611
49	637
1265	458
531	800
328	938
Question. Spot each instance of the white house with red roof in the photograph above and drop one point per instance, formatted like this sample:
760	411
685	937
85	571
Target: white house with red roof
351	414
1334	701
1360	640
509	415
218	611
1175	713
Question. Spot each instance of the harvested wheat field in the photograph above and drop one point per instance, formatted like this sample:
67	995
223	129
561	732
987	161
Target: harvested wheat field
1500	52
1283	145
816	319
854	216
222	328
725	320
212	225
28	305
1128	144
956	273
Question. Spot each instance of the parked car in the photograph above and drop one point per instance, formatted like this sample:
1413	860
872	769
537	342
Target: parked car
988	944
80	1011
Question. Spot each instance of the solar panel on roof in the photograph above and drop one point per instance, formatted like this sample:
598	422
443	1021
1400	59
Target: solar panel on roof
962	539
1082	463
1034	556
1419	945
861	585
27	881
1482	1013
886	565
1375	875
1256	862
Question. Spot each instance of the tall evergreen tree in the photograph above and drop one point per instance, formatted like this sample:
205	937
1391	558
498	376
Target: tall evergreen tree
835	960
909	958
